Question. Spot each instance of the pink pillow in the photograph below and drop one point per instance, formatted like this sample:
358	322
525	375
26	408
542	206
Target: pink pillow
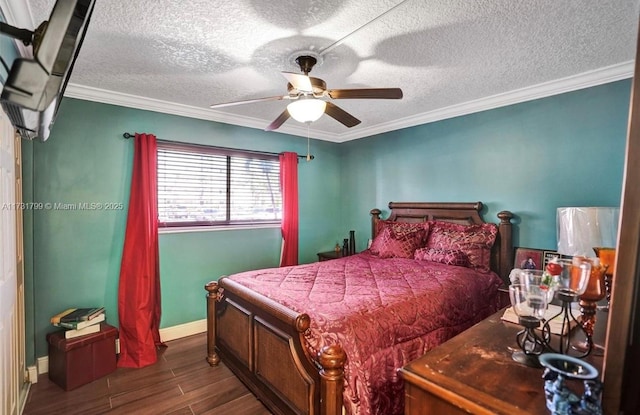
403	228
474	240
398	241
443	256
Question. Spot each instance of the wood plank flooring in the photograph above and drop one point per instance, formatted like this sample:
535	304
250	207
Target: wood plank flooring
180	383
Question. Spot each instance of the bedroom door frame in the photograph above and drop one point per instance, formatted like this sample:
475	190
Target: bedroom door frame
13	375
622	348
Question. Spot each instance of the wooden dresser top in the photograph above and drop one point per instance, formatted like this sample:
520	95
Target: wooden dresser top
475	371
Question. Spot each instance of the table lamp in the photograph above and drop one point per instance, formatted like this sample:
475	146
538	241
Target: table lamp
583	231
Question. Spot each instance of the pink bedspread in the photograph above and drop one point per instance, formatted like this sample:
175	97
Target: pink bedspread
384	312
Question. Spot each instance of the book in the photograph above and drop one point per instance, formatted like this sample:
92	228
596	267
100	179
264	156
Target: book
555	325
77	325
81	314
73	333
56	319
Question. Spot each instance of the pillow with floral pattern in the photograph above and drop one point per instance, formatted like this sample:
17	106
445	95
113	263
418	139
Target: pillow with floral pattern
403	228
398	241
443	256
474	240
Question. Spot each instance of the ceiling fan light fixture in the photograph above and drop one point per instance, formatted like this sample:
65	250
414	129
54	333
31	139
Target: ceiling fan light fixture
306	109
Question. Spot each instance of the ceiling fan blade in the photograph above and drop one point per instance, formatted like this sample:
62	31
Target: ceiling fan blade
366	93
278	121
341	115
249	101
299	82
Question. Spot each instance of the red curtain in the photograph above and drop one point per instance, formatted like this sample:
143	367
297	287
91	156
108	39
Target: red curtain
139	289
289	188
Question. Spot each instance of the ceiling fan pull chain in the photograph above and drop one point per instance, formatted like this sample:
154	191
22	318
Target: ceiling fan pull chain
308	143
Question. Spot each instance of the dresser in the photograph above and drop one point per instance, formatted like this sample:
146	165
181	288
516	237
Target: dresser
474	373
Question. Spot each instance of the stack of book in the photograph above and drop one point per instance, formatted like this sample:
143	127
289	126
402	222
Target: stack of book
79	321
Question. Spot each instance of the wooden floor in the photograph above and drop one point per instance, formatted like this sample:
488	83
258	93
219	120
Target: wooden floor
180	383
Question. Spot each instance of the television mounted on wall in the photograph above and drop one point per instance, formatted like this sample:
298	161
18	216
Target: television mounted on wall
34	87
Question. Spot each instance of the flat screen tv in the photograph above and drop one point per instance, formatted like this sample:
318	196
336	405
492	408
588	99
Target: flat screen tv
34	87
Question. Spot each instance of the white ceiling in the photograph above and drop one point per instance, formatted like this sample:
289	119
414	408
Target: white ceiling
450	57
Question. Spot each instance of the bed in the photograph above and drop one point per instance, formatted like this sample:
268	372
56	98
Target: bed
328	337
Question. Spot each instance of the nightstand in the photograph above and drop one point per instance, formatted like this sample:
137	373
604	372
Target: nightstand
503	297
473	373
325	256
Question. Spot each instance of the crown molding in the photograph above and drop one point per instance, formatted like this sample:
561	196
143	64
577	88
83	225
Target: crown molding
149	104
580	81
560	86
18	14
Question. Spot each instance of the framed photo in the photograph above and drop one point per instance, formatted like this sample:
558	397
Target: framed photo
548	255
528	258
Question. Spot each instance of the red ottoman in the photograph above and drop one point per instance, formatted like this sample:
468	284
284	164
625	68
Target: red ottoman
78	361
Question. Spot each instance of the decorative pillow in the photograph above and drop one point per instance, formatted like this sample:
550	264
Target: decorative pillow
403	228
474	240
443	256
397	242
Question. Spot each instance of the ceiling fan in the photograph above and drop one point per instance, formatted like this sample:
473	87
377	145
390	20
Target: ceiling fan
307	93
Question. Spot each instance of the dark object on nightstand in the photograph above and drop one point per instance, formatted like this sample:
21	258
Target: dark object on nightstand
352	242
81	360
325	256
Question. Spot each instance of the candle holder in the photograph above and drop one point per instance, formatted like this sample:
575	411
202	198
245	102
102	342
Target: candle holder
594	292
529	301
569	279
607	258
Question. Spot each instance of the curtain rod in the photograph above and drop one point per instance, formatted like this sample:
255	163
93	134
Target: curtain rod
308	157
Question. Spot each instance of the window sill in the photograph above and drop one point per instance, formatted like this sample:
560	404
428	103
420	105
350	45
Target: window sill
188	229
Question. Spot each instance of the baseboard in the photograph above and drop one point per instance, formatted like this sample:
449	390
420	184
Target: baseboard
166	334
42	363
32	373
183	330
23	395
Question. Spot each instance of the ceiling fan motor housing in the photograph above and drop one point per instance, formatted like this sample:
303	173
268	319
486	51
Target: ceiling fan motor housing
318	85
306	63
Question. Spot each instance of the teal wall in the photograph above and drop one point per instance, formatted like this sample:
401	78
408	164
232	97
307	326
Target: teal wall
528	158
75	260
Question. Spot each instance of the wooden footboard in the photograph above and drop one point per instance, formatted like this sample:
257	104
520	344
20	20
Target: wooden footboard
262	342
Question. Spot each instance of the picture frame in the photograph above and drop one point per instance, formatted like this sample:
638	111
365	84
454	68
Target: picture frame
529	258
548	255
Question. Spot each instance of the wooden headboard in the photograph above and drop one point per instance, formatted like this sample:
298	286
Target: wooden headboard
463	213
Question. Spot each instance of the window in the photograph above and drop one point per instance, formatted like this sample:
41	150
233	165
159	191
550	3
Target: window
201	185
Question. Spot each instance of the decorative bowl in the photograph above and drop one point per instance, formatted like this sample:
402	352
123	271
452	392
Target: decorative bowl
568	366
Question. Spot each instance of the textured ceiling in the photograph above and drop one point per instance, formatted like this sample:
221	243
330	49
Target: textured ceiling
448	56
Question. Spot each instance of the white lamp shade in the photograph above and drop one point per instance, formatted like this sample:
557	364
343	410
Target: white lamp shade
306	109
580	229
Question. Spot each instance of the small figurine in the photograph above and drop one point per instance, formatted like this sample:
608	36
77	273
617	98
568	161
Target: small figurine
561	401
590	402
549	377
